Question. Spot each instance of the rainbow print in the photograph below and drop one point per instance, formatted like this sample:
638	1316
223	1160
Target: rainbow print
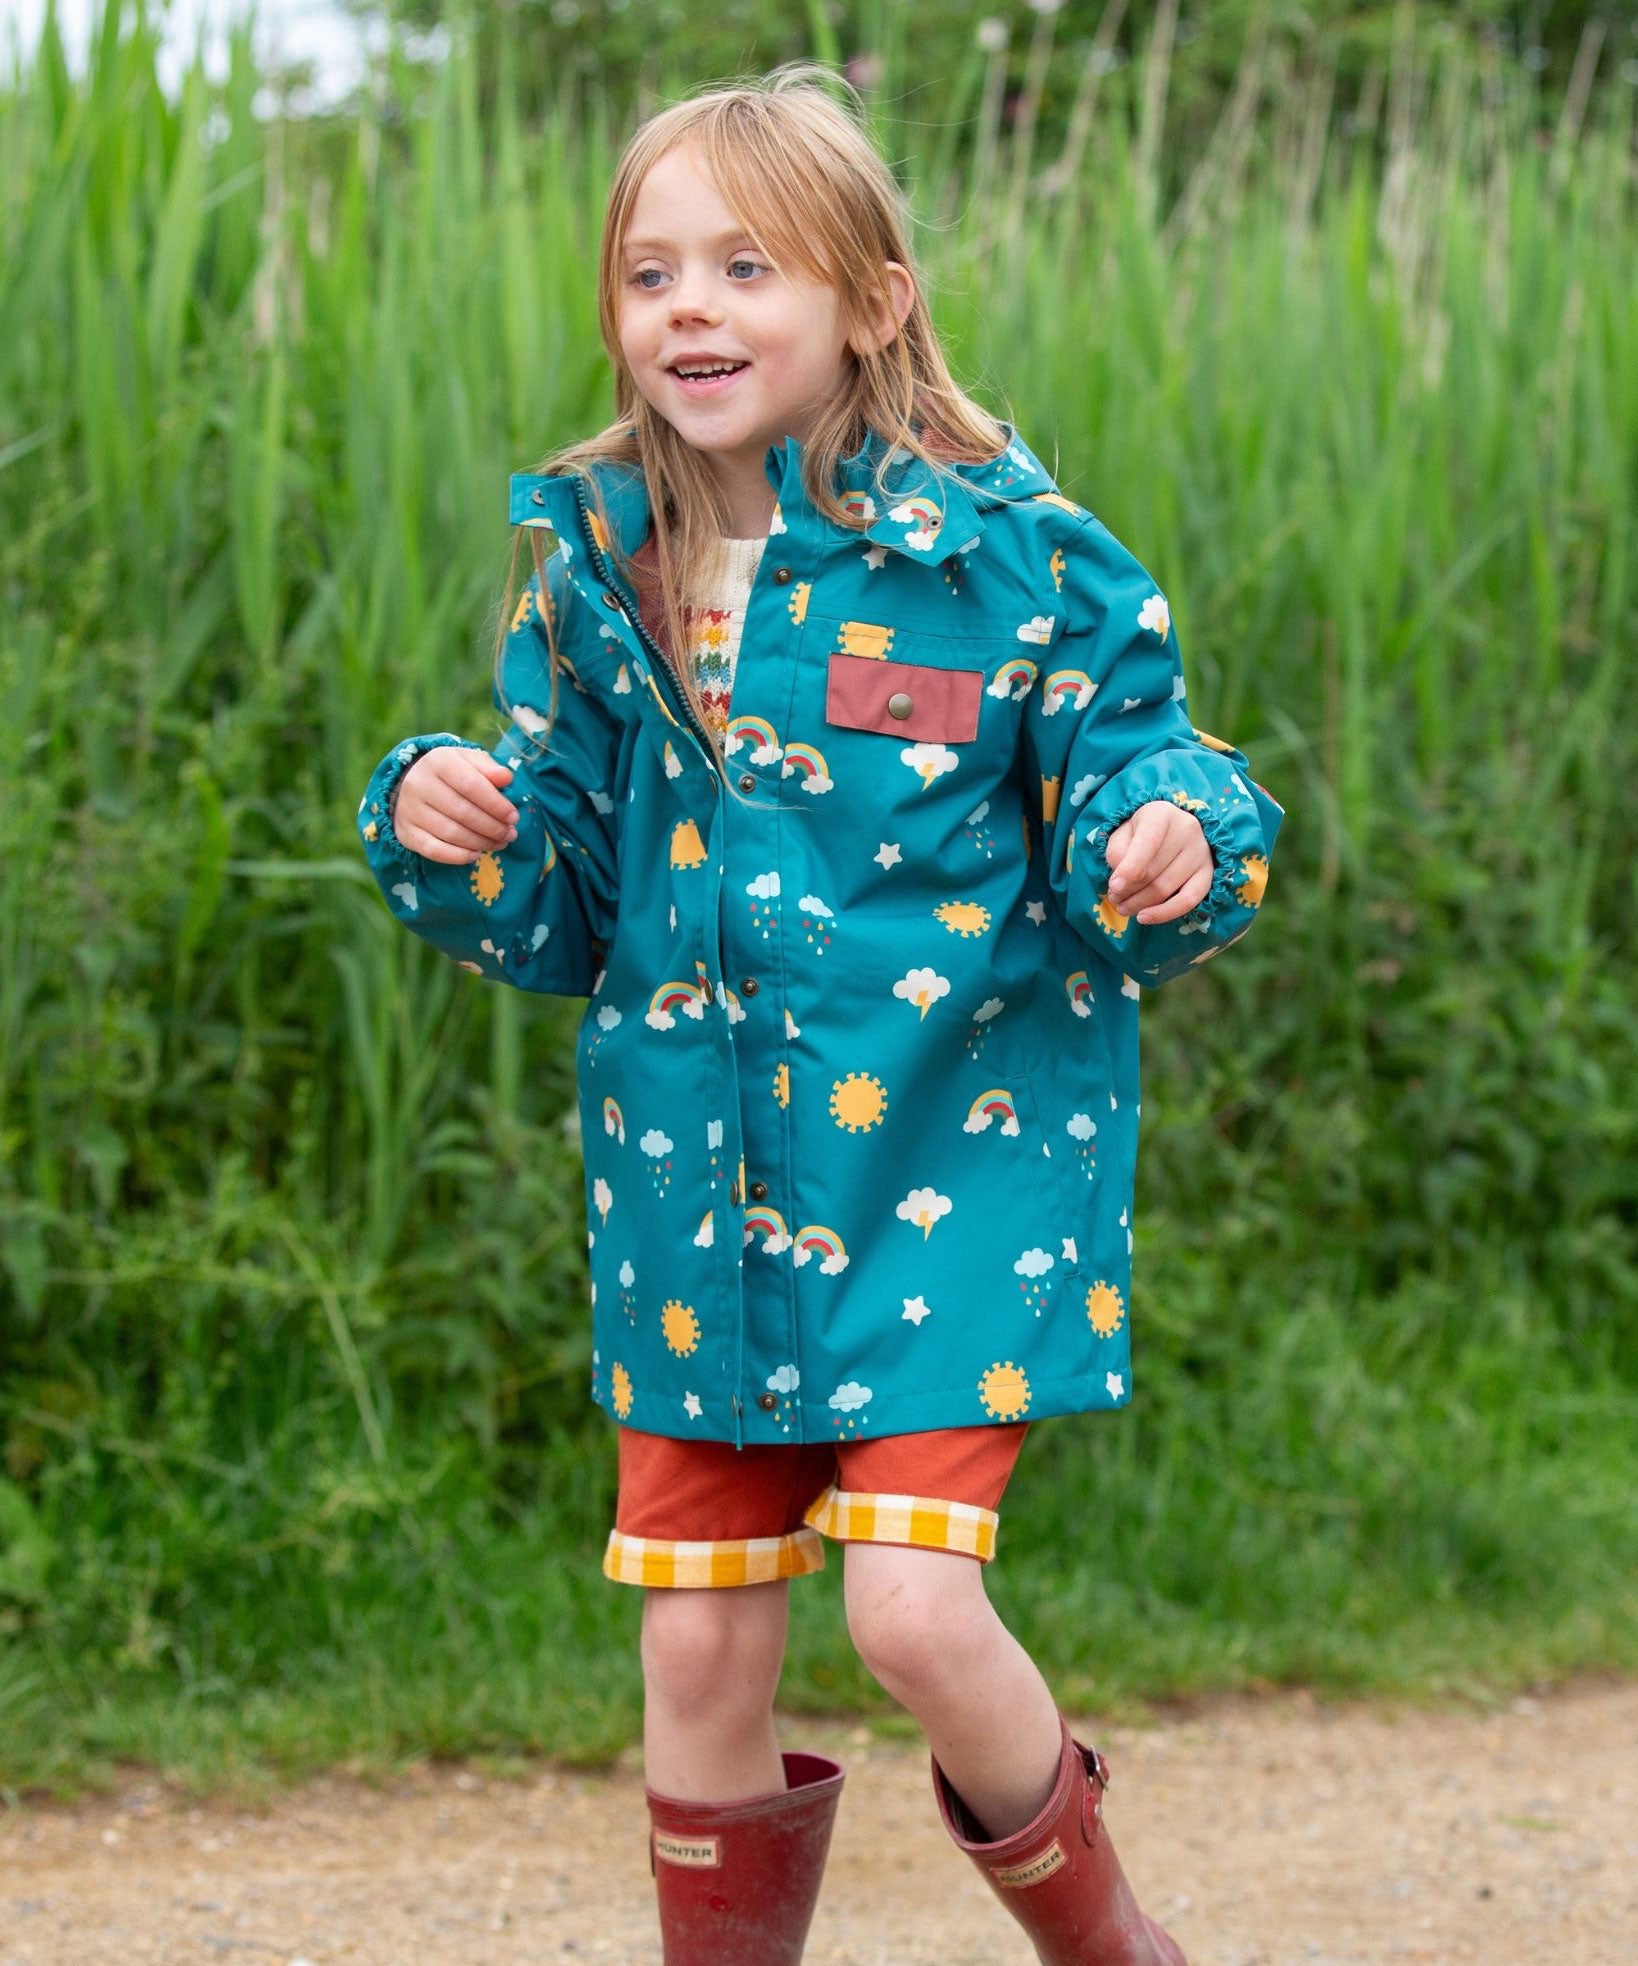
1078	988
807	759
826	1244
764	1221
996	1104
923	518
1064	683
1013	678
755	731
675	995
551	855
614	1121
860	505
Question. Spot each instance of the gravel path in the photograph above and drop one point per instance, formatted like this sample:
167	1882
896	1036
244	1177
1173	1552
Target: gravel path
1265	1832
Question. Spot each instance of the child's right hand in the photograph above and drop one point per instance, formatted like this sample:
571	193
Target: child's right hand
451	807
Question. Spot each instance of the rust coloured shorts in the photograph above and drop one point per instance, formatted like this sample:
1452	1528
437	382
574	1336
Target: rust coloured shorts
705	1514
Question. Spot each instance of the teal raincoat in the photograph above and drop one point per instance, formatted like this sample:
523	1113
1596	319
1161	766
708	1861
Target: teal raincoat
858	1068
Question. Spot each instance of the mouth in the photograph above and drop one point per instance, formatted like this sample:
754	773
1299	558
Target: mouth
711	384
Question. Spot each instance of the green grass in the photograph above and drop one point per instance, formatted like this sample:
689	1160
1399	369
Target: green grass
295	1456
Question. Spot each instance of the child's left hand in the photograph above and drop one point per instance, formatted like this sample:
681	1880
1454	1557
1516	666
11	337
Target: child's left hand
1160	862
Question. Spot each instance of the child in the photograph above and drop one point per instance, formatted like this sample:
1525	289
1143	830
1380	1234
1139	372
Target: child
862	886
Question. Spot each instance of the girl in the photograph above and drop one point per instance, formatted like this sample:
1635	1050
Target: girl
849	776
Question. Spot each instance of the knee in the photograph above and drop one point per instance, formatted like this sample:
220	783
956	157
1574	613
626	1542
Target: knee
706	1652
912	1636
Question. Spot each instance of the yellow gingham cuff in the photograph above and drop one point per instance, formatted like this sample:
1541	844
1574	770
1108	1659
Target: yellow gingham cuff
663	1565
962	1527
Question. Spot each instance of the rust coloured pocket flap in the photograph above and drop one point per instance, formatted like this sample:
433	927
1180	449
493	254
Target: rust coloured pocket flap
937	704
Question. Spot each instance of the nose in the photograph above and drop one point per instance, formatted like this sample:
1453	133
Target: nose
693	298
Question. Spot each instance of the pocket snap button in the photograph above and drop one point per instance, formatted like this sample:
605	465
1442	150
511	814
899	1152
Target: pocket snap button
767	1401
759	1191
747	782
781	575
898	704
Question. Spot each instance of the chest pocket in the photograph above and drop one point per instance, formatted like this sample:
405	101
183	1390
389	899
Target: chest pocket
915	700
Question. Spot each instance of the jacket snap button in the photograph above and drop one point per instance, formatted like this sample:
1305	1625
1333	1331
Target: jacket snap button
759	1191
610	600
898	704
782	574
748	986
538	497
747	782
767	1401
733	1191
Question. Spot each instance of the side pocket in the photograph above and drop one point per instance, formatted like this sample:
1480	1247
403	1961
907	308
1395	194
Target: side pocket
1070	1205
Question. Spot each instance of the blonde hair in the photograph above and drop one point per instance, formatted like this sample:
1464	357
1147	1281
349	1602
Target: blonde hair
799	173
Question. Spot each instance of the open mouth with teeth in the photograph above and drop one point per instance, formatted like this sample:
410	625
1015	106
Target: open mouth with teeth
706	374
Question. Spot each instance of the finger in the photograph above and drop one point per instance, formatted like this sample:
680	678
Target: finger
1193	891
1163	884
430	848
448	832
468	777
450	804
1136	864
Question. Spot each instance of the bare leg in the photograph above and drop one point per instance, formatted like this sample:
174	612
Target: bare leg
711	1661
925	1628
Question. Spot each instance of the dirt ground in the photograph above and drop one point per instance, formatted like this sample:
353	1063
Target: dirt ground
1267	1832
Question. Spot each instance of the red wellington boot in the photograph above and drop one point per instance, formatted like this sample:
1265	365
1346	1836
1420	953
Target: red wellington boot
1059	1875
738	1881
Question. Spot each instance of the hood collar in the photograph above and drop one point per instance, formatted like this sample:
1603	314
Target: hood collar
925	515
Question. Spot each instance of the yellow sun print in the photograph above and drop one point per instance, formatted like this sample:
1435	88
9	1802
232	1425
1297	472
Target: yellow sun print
620	1381
1255	884
488	878
963	917
870	638
680	1325
1004	1391
1105	1310
858	1102
1108	917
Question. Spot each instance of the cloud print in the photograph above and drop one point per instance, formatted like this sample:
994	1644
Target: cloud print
655	1142
1033	1263
785	1380
850	1396
764	887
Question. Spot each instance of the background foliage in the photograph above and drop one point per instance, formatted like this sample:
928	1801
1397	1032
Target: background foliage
1332	320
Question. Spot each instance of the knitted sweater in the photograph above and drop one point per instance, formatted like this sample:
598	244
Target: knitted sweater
714	629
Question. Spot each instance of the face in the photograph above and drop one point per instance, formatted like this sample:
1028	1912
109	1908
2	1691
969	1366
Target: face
694	286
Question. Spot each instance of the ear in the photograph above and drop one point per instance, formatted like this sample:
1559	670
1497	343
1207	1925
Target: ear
884	325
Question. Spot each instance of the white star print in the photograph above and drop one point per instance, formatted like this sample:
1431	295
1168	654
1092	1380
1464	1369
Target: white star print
1115	1383
888	854
1069	1250
691	1405
916	1308
1036	910
875	557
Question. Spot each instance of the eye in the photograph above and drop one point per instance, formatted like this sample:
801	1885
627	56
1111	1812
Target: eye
639	278
757	264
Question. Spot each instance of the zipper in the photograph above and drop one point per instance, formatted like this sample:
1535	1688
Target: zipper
634	612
